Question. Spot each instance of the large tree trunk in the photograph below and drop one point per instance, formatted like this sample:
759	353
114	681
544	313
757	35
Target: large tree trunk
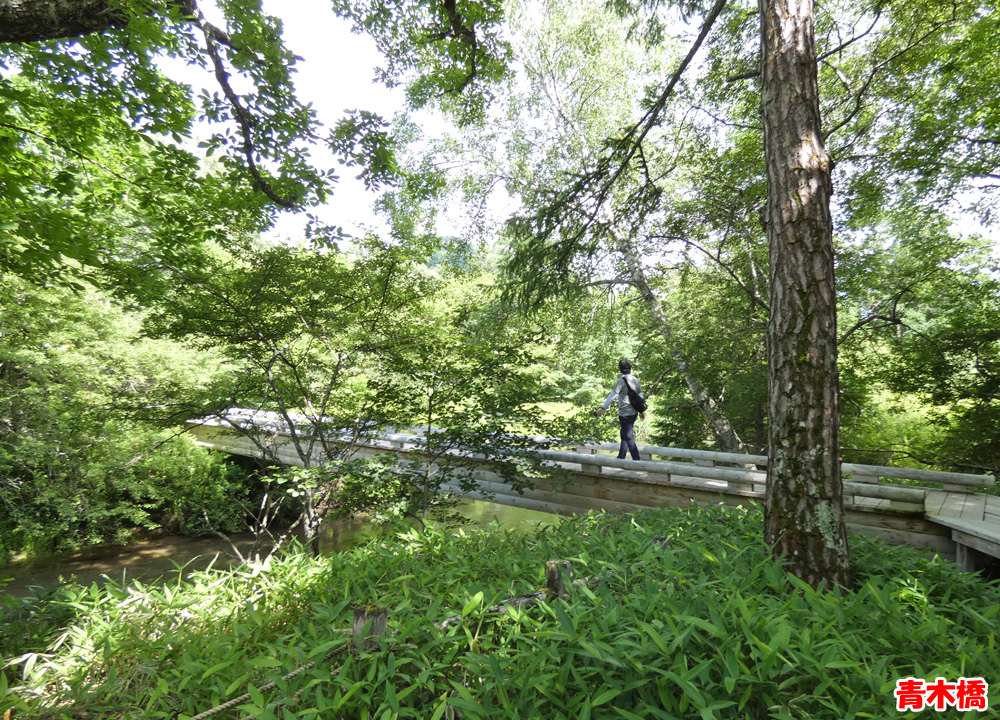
804	516
39	20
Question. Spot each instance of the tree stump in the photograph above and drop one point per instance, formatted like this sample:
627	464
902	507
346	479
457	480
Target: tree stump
369	624
558	576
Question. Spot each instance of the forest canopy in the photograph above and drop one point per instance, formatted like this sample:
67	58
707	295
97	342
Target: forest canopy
649	213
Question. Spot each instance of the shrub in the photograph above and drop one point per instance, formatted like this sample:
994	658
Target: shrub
709	627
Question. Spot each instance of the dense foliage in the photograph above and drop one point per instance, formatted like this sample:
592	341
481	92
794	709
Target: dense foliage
705	627
82	460
635	230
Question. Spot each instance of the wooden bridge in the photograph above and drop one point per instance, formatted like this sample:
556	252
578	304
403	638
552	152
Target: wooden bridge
954	521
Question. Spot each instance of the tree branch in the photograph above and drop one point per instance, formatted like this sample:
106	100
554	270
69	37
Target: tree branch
22	22
635	136
457	30
247	122
72	151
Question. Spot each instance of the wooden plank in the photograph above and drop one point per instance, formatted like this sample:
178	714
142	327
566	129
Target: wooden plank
983	530
934	501
991	548
953	478
975	506
888	492
504	494
860	501
940	544
888	506
685	453
702	483
526	503
658	466
896	521
565	503
633	484
860	478
953	504
619	489
897	506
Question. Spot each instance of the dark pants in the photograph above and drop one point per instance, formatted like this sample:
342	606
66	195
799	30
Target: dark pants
628	437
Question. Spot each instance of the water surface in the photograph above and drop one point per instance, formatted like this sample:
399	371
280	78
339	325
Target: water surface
150	560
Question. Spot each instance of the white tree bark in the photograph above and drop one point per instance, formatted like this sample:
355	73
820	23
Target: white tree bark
725	434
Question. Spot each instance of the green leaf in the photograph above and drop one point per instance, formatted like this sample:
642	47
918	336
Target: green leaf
215	668
606	696
474	602
628	715
564	620
440	707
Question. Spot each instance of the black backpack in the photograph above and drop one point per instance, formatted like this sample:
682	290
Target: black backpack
634	398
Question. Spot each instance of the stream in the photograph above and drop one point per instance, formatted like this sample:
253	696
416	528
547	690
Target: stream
149	560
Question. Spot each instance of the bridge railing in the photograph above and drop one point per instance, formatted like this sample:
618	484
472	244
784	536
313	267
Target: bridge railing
735	473
728	473
860	481
859	472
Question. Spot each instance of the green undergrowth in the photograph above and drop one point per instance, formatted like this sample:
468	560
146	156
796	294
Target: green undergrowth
709	627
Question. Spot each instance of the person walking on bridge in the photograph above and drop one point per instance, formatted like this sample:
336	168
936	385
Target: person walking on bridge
627	412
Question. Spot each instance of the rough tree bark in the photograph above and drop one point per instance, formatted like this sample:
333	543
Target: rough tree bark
804	515
39	20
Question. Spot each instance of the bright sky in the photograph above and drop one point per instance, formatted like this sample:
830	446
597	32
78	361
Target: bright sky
336	74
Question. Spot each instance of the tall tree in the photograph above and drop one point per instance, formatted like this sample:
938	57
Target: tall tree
804	513
302	330
81	71
581	74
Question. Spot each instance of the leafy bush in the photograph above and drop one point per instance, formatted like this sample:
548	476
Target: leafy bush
709	627
84	458
117	487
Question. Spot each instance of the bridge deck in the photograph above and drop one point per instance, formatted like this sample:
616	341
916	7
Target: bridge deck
954	522
974	521
965	505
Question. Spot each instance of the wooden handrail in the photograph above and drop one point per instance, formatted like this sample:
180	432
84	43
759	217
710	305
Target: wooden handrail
941	476
666	467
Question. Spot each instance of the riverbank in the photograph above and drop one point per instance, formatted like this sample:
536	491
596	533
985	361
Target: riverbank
149	560
683	614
